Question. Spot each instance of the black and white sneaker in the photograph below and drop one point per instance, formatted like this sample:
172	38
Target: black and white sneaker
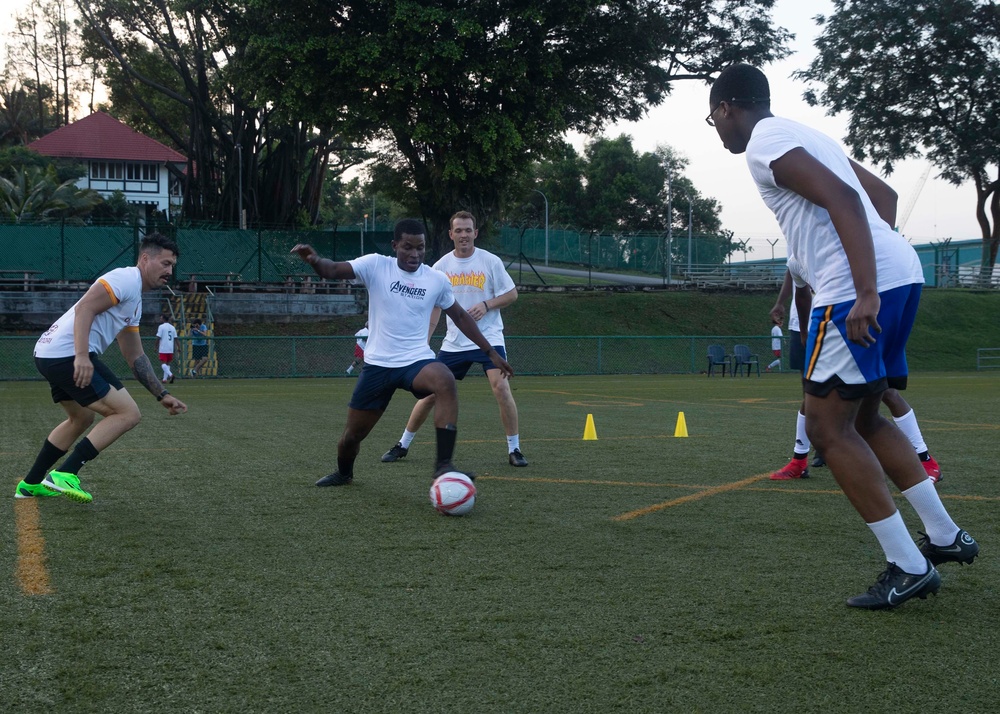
335	479
894	587
395	453
516	458
818	461
963	550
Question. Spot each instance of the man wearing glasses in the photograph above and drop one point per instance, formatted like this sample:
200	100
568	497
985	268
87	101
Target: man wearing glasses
837	218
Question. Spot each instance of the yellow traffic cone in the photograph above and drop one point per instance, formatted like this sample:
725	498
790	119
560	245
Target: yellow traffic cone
589	432
682	427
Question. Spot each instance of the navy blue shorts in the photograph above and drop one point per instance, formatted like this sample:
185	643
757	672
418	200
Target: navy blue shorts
460	362
59	372
796	351
376	385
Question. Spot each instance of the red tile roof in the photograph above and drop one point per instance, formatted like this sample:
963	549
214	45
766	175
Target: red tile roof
101	136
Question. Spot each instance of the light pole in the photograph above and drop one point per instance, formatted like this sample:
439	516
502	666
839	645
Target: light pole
670	224
242	221
546	223
688	197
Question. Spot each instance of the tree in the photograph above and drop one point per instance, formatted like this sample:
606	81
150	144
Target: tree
36	194
173	72
919	78
465	94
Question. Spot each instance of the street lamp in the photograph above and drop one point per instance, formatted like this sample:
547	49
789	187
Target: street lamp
242	221
546	224
688	197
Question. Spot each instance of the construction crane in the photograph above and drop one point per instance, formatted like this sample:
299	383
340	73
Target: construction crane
912	201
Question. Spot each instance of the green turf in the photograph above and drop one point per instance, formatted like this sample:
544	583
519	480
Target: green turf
210	575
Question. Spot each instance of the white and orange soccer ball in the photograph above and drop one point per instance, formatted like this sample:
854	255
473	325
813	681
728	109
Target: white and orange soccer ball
453	494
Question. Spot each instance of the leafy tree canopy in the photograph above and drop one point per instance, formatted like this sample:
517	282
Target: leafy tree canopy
467	93
919	78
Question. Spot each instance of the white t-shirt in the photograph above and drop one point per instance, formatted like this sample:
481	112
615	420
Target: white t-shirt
775	338
798	283
362	337
124	285
399	308
808	228
167	335
479	277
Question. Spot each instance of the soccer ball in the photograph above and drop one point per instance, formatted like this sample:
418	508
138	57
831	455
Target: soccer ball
453	494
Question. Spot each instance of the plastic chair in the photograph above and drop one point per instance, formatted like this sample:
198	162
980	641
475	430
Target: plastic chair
742	358
717	357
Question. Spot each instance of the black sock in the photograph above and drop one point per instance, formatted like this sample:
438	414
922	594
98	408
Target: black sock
797	455
924	456
45	460
446	437
345	466
83	453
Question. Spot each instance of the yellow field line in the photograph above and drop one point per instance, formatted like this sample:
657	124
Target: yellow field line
691	497
32	573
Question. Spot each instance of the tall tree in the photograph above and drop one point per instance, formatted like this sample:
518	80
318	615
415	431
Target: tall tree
467	93
919	78
172	70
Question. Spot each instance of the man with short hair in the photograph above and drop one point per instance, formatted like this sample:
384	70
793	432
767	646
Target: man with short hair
67	355
867	282
482	286
402	293
199	345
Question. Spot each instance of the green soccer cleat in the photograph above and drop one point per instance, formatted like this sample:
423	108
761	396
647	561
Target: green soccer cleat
33	490
68	485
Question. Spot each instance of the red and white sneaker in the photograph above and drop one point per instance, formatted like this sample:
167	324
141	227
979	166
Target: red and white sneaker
796	468
932	468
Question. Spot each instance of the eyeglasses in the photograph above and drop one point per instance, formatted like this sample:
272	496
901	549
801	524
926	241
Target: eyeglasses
735	100
709	120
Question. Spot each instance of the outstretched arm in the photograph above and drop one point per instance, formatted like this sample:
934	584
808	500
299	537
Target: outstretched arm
130	344
802	173
324	267
464	322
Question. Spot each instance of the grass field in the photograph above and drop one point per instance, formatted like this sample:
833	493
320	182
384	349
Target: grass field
636	573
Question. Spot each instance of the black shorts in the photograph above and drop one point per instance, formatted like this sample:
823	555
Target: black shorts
59	373
796	351
199	351
460	362
376	385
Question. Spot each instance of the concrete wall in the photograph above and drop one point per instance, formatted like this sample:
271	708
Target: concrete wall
31	310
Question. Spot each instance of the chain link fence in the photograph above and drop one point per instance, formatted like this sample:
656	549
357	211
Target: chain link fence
257	357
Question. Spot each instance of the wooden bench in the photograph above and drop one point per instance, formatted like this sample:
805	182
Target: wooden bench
19	277
225	280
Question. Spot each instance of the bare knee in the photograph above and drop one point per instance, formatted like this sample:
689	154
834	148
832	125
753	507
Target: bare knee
81	421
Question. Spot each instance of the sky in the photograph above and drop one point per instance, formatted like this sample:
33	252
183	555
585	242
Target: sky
940	210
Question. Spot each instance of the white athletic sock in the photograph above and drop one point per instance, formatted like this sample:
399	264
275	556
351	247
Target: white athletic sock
898	545
927	503
802	444
407	438
908	425
513	442
166	373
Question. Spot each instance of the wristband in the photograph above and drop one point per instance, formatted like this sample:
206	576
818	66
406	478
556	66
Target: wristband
486	305
161	395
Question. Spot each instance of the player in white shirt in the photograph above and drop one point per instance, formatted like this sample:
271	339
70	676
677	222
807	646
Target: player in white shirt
402	293
867	282
482	286
167	338
775	347
67	355
360	342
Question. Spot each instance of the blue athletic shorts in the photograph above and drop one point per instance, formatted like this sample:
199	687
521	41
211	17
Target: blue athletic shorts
460	362
833	362
59	373
376	385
